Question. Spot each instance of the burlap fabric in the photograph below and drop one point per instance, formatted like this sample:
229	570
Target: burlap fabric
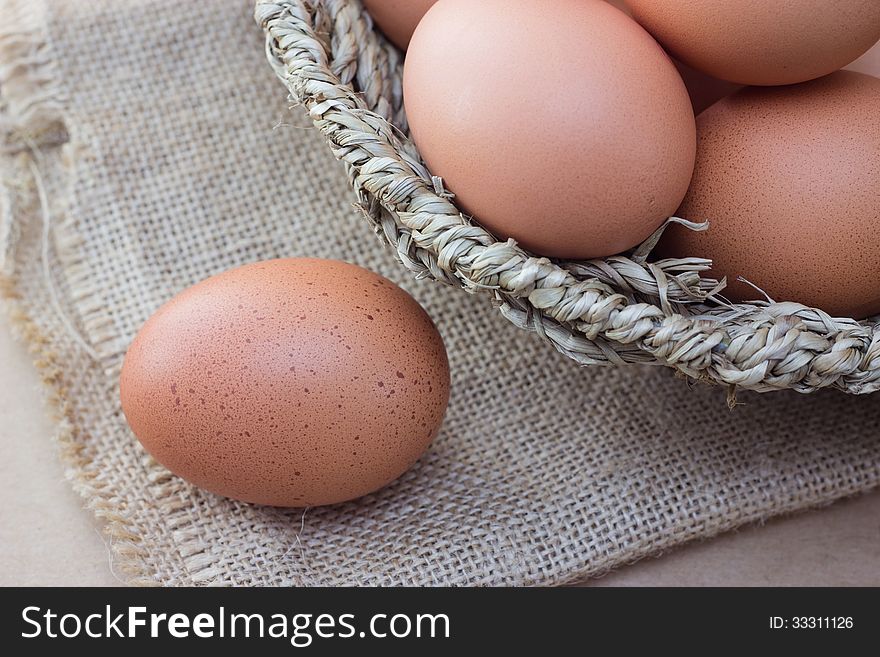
146	145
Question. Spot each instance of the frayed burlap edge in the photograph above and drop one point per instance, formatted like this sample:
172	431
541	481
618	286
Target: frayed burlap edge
32	127
123	539
618	310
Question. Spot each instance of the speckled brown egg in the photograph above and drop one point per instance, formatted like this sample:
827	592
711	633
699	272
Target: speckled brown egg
789	180
762	42
560	124
295	382
398	18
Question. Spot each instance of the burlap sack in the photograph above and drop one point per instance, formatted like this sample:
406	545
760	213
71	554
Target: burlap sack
146	145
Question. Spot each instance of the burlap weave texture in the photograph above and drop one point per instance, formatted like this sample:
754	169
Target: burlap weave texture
166	152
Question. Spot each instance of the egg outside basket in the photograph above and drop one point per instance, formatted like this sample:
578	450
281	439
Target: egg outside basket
613	311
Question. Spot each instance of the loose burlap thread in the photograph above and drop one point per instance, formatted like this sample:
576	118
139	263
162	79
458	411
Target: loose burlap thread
163	152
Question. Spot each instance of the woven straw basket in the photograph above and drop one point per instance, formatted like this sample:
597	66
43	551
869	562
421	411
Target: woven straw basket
622	309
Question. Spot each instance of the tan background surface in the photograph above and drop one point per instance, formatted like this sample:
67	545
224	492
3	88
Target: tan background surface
49	538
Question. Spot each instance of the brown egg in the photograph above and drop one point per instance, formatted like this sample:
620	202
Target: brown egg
398	18
289	382
762	42
789	180
565	127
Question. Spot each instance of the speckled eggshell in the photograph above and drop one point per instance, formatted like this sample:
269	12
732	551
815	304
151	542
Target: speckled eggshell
295	382
703	89
789	180
762	42
560	124
398	18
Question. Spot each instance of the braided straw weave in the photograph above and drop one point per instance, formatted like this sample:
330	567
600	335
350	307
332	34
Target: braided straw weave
621	309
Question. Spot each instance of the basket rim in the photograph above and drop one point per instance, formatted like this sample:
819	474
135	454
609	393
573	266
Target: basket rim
615	310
